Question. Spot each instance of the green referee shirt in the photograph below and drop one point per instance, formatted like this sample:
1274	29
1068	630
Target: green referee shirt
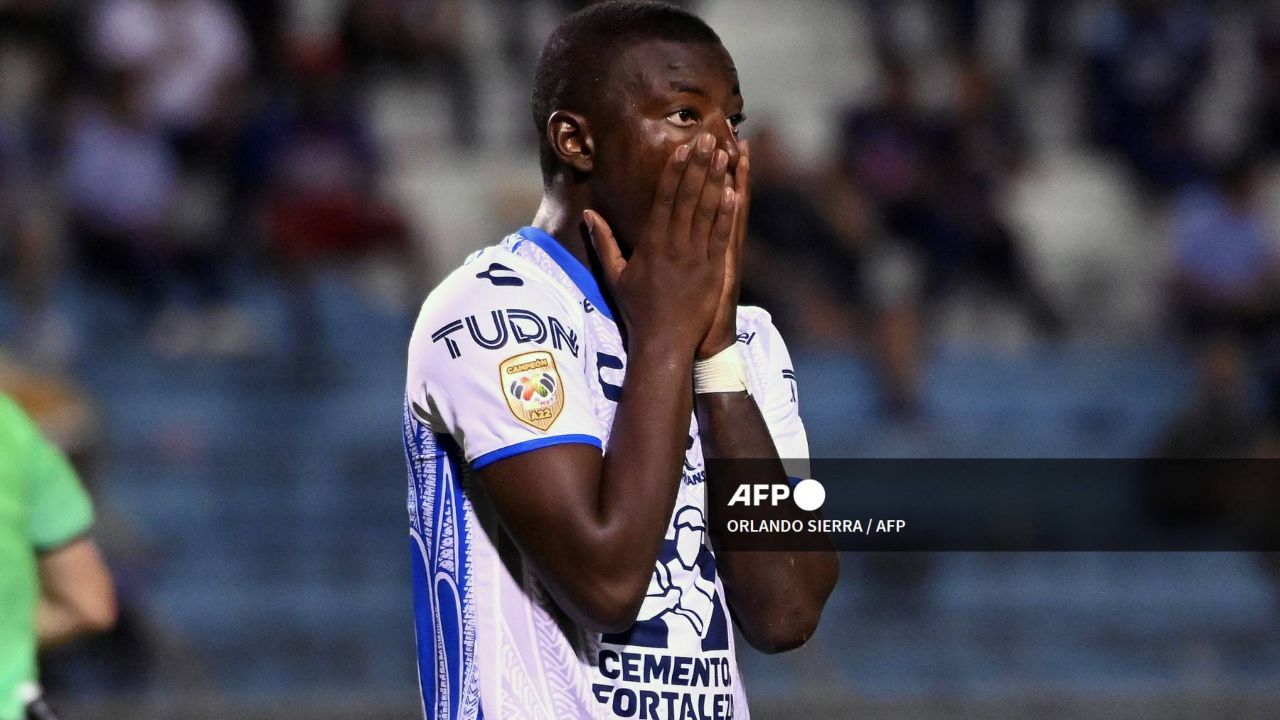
42	506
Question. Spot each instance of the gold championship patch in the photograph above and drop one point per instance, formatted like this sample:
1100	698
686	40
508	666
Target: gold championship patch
532	388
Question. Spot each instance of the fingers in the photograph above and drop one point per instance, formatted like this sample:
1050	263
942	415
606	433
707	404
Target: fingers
705	214
611	261
742	184
664	197
689	194
742	174
722	232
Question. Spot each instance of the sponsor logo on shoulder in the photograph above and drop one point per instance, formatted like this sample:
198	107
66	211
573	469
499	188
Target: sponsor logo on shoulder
531	384
501	327
500	275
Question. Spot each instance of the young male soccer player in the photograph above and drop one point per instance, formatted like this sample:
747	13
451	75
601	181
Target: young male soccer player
564	387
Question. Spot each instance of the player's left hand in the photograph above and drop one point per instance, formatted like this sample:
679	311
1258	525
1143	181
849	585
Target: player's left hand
724	327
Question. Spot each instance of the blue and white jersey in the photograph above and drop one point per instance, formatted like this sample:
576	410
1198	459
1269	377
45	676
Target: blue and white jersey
514	351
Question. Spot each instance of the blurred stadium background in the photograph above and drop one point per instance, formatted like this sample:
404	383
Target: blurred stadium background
989	228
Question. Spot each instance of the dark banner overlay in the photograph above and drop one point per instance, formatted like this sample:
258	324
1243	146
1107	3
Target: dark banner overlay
995	505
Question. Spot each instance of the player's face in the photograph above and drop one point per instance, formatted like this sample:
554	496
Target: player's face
659	95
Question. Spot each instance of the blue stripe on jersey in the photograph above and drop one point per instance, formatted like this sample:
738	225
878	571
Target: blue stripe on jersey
534	444
576	271
443	604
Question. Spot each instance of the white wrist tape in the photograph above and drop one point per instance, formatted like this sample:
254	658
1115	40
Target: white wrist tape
722	372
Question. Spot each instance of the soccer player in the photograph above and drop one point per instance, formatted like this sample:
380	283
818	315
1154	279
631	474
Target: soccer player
564	387
53	583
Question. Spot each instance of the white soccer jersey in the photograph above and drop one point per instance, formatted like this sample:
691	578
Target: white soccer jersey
516	350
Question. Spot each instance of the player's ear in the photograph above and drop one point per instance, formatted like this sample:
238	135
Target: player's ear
570	139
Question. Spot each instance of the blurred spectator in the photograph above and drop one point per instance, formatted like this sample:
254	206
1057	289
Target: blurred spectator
185	63
416	37
310	163
938	182
1226	275
1266	110
955	23
38	58
820	265
38	43
791	239
189	56
1227	261
990	133
885	152
982	144
263	21
121	177
28	268
1044	38
121	180
1220	421
1145	62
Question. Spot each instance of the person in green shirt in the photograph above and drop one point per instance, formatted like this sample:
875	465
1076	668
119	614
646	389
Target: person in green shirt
54	585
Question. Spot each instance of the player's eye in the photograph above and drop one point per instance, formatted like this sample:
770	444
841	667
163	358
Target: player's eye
683	118
735	121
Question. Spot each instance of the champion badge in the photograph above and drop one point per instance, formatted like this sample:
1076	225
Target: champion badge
531	386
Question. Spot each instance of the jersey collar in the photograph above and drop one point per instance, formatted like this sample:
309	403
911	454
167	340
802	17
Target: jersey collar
571	266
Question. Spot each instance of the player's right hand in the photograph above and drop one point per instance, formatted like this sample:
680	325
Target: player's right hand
669	289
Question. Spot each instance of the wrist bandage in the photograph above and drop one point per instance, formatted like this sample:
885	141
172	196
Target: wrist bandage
722	372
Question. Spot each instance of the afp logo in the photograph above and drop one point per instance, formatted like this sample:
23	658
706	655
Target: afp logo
808	494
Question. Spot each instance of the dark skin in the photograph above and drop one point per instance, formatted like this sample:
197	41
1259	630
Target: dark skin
659	158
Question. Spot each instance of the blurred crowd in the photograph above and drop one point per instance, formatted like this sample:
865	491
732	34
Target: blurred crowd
154	148
163	151
914	210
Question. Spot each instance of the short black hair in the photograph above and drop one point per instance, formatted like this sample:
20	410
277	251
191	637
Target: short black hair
572	57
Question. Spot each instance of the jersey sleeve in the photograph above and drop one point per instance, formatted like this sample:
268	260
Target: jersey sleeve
500	368
60	508
781	402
